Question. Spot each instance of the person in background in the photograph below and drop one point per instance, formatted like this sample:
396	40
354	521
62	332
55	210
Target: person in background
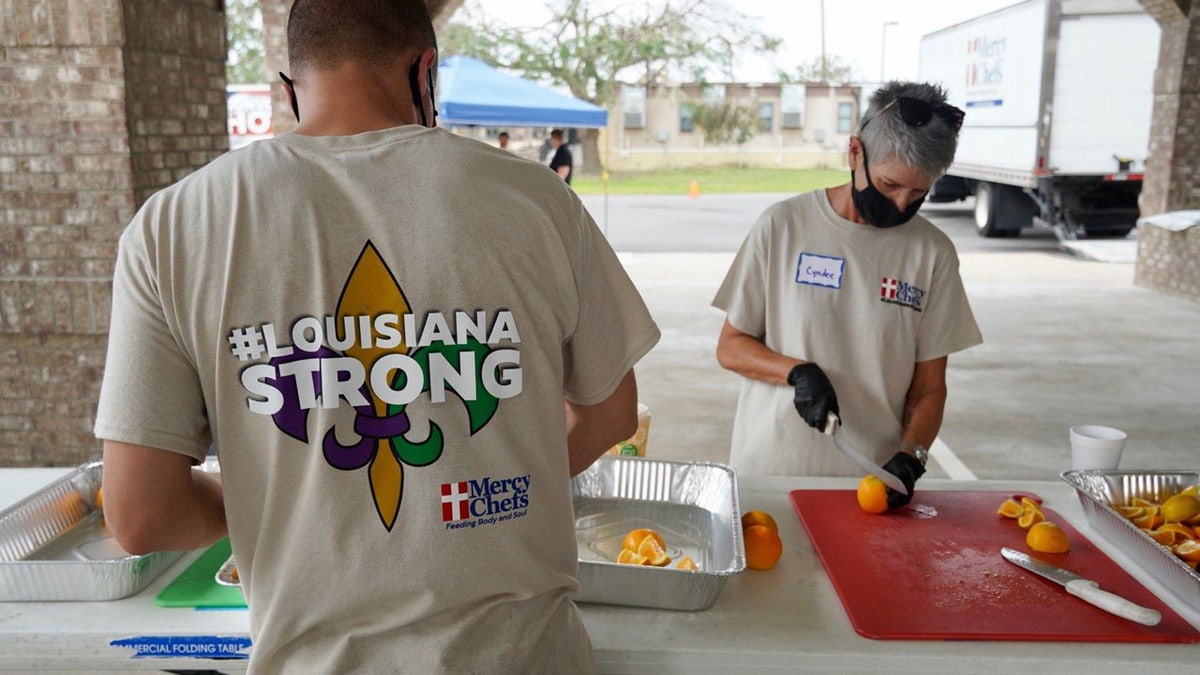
845	301
562	163
502	139
404	343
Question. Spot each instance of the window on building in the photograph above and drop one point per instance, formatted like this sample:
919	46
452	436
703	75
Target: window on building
634	107
686	124
792	98
766	117
845	117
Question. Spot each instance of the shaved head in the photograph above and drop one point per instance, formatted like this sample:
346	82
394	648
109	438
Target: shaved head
326	33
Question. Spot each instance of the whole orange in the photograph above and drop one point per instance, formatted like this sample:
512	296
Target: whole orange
759	518
763	547
634	539
872	494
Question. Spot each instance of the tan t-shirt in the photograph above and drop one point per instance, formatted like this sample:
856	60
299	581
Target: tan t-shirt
864	303
378	332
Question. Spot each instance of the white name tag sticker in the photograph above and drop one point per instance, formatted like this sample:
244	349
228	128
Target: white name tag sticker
820	270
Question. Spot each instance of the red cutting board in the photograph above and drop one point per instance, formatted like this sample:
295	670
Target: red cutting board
913	575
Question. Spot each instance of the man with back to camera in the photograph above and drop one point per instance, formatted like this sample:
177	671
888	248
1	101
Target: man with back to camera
562	163
846	301
403	344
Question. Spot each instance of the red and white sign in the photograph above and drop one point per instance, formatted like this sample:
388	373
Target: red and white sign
249	113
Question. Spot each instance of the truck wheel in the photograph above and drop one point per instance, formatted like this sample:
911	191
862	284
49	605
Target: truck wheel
989	200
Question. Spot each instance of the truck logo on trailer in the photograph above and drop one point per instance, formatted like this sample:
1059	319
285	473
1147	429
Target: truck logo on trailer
985	71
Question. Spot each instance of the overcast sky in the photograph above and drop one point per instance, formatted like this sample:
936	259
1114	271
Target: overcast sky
853	29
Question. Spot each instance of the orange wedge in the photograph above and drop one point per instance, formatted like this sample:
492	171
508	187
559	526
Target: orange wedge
1030	504
635	537
1046	537
628	557
1189	550
1130	512
1179	508
653	552
1193	490
1181	531
1149	522
1010	509
1138	501
1030	518
685	563
1164	537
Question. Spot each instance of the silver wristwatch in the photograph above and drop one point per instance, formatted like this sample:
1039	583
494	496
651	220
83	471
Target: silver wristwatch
919	451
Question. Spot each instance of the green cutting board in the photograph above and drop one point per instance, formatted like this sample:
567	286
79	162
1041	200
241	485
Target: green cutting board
197	585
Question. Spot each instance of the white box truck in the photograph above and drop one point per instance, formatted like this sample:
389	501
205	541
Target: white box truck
1058	96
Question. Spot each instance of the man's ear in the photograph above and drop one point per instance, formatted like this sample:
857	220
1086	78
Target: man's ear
854	154
428	62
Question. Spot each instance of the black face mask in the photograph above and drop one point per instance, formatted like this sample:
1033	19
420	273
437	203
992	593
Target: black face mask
874	207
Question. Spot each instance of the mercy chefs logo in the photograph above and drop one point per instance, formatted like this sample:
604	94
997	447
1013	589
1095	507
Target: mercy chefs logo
374	355
901	293
485	501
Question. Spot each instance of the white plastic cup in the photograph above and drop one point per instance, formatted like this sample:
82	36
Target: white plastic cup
1096	447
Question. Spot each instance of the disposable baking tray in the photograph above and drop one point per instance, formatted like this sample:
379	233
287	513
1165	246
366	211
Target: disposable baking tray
54	546
1099	491
693	505
227	574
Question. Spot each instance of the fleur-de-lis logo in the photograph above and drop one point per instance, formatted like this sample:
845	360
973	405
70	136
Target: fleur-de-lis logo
383	444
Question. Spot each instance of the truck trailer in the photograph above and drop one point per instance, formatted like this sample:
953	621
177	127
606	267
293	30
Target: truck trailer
1059	97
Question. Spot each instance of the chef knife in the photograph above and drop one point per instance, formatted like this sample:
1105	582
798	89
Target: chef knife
1084	589
831	428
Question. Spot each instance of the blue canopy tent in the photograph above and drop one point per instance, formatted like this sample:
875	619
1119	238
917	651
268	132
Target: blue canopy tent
472	92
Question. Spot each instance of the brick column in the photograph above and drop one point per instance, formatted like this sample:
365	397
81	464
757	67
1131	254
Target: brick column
102	102
1169	262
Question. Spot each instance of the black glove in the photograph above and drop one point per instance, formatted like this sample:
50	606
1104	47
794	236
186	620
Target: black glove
814	398
908	469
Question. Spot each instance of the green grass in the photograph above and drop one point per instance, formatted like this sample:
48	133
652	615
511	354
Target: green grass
709	180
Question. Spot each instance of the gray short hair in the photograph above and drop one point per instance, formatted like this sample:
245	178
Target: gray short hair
928	149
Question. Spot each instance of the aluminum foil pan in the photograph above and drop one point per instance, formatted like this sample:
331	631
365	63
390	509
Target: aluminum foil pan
54	546
227	574
1098	491
694	505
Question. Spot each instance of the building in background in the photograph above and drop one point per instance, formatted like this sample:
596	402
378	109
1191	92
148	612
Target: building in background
799	126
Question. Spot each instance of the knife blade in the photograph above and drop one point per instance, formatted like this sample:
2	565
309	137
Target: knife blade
1084	589
831	427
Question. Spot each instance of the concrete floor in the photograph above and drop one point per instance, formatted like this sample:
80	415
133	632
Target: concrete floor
1067	341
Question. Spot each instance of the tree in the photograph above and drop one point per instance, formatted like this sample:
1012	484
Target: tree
725	121
831	70
587	50
246	62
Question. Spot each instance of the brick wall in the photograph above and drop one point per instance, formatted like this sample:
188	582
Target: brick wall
101	103
1169	262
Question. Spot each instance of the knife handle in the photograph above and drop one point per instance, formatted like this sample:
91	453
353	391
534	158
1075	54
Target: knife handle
831	424
1090	591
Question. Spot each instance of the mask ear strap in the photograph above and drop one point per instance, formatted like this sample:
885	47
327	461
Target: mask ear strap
432	95
291	91
414	82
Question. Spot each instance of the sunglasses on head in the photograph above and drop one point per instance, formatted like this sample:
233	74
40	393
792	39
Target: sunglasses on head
918	113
